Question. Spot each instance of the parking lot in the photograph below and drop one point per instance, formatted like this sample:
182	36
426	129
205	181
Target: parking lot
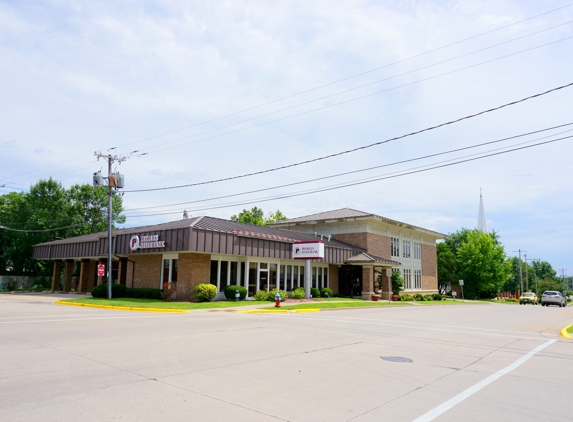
471	362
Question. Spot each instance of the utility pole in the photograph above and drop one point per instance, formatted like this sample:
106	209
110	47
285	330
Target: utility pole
112	181
526	274
564	287
534	273
520	272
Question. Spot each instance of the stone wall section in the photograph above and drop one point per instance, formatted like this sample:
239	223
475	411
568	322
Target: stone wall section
147	271
429	268
194	269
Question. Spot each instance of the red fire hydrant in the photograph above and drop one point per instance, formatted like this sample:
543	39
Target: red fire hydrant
277	300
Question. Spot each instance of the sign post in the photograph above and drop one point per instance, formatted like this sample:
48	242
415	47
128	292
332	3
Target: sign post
308	251
462	286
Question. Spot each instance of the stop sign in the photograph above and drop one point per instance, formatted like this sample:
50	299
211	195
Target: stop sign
100	270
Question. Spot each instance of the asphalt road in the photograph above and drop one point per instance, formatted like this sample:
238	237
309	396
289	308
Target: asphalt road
484	362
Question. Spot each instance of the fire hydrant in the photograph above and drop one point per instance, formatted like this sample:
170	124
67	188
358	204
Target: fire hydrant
277	300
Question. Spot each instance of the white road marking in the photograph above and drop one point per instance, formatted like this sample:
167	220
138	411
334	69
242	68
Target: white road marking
447	405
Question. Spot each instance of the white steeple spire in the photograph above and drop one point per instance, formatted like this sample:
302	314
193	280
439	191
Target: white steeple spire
482	223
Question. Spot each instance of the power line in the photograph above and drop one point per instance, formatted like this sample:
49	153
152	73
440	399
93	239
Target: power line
321	86
369	168
354	183
42	231
362	147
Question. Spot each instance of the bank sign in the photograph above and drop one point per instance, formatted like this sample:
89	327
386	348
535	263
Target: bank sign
308	250
146	242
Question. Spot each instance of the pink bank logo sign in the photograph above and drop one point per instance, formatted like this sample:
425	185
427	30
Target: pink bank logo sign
308	250
146	242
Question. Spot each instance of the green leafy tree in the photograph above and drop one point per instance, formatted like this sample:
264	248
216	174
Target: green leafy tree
447	266
257	217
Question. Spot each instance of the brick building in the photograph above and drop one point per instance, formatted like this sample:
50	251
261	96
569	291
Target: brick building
359	248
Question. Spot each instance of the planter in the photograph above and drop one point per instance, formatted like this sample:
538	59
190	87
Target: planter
375	298
394	298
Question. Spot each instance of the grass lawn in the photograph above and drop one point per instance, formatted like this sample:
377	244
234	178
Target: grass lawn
499	301
326	305
152	303
339	299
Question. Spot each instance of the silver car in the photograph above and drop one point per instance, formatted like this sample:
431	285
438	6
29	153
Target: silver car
551	297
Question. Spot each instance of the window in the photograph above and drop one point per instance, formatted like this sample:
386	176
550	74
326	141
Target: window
418	279
169	272
407	279
417	251
395	246
405	248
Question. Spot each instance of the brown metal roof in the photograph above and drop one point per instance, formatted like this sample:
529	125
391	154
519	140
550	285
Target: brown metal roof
367	258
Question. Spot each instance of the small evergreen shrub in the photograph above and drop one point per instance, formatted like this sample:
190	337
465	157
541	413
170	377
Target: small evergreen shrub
297	293
230	292
117	291
144	293
418	297
205	292
314	292
428	298
437	296
326	292
261	295
272	293
406	297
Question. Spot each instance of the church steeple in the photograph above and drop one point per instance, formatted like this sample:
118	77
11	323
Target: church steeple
482	223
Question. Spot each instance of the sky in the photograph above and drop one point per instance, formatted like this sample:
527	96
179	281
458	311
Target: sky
193	91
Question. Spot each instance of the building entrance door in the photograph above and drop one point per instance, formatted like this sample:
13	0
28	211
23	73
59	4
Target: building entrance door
350	280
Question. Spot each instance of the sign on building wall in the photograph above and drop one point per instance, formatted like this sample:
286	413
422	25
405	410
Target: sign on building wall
146	242
308	250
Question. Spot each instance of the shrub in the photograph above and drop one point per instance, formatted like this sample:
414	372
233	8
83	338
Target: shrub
314	292
144	293
437	296
406	297
261	295
397	283
325	292
298	293
230	292
511	299
272	293
205	292
428	298
117	291
418	297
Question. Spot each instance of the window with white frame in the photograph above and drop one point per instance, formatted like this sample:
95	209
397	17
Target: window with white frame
418	279
417	250
407	279
395	246
405	248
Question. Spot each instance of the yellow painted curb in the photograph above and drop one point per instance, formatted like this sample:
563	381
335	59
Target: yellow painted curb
564	332
122	308
275	311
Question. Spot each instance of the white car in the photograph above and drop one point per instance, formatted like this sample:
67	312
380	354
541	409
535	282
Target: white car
551	297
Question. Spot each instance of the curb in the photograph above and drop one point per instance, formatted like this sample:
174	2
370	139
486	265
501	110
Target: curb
121	308
564	332
278	311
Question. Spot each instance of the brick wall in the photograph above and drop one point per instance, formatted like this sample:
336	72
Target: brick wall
429	268
356	239
333	278
147	271
375	244
194	269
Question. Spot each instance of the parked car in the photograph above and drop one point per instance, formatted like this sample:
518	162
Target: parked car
528	297
550	297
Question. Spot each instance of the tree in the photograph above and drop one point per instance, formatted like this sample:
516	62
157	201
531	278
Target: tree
447	266
257	217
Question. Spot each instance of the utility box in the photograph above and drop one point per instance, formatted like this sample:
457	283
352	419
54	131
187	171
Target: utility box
98	179
120	181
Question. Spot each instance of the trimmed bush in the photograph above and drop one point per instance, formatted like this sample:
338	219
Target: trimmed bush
271	295
144	293
437	296
406	297
326	292
205	292
297	293
117	291
261	295
428	298
230	292
314	292
418	297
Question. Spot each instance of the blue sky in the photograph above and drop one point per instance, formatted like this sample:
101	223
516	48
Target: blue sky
194	84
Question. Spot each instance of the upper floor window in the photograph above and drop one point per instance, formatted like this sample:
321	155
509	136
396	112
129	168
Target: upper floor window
417	251
405	248
395	246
